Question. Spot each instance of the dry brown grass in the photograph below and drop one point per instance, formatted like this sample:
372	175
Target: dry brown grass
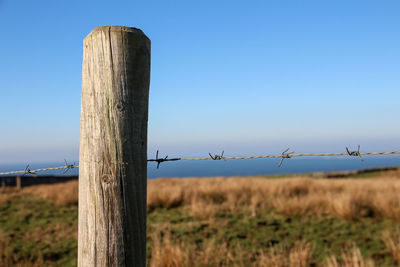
346	198
351	258
63	194
8	193
166	254
392	242
297	256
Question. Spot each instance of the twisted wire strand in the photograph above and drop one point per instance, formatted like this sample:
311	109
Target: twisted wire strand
224	157
300	155
40	170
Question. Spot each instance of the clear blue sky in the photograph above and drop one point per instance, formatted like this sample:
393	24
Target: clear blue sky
250	77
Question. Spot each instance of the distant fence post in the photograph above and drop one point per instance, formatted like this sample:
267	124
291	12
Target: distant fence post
18	182
113	148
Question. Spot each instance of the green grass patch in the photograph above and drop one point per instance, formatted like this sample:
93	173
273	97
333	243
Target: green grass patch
34	230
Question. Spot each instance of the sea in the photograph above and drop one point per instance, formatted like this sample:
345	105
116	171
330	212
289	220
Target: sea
208	168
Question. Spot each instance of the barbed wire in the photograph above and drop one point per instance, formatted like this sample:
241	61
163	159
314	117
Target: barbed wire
27	170
284	155
301	155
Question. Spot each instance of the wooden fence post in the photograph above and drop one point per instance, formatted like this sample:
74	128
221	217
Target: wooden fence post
113	148
18	182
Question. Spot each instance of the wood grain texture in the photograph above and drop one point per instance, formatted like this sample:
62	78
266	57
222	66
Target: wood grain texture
113	148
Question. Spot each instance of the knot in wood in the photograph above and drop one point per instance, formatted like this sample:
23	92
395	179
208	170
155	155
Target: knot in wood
106	178
120	106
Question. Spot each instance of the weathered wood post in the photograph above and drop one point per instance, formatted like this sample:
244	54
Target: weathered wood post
113	148
18	182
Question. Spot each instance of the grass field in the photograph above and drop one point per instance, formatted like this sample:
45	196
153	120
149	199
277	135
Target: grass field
251	221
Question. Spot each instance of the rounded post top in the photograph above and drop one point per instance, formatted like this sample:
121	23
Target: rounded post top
116	29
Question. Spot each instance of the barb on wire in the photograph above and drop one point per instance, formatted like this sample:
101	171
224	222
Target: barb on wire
159	160
355	153
217	157
28	171
68	166
285	155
